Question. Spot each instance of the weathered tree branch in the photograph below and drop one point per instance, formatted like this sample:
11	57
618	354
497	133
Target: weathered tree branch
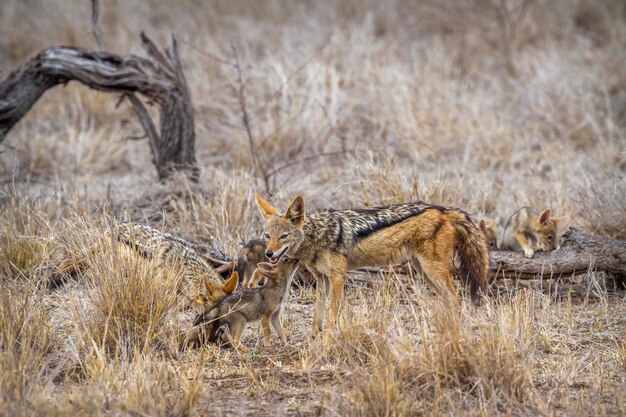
159	77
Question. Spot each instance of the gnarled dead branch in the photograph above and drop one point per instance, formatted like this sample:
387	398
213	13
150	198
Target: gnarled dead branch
158	77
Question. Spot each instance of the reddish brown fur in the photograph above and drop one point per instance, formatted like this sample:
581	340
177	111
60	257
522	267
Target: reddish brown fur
330	243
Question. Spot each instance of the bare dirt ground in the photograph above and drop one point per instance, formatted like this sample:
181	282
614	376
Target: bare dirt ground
483	105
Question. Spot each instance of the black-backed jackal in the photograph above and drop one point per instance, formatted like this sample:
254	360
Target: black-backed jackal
227	320
201	285
529	231
330	242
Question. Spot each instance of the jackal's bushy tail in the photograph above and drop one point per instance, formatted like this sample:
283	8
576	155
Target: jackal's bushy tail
473	254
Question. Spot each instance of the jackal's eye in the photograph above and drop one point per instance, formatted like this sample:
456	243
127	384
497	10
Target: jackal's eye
284	235
550	237
266	236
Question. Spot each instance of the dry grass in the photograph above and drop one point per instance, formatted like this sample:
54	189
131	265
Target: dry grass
352	103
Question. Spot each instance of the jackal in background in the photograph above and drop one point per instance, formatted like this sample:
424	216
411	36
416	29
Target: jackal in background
527	230
201	285
330	242
489	230
227	320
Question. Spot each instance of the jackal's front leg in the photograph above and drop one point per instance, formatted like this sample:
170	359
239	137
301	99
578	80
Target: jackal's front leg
278	327
267	333
321	294
523	242
337	279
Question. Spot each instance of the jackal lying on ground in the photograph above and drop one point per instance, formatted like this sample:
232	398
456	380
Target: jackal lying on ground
527	230
201	284
330	242
227	320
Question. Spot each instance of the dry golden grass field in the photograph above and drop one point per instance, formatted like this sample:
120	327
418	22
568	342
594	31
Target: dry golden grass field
486	105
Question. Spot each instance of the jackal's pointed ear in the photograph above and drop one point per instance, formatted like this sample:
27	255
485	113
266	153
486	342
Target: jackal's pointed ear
295	211
492	224
483	226
544	216
208	287
558	219
231	283
267	210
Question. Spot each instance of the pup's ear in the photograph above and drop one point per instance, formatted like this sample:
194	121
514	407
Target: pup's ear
265	269
231	283
295	211
208	287
544	216
267	210
492	224
483	226
558	219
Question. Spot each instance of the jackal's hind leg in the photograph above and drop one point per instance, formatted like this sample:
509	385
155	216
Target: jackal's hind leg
278	327
191	338
437	274
233	336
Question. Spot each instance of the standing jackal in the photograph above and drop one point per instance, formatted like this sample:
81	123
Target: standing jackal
201	285
330	242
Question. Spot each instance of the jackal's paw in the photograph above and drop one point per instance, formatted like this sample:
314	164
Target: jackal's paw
243	349
529	254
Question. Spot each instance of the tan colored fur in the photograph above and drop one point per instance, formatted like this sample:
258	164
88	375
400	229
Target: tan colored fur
227	320
201	285
488	230
529	231
329	243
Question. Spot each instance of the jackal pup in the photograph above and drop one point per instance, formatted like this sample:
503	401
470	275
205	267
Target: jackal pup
489	231
201	285
249	256
227	320
330	242
527	230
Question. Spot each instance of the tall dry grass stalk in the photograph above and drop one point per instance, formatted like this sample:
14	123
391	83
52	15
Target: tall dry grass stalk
26	341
